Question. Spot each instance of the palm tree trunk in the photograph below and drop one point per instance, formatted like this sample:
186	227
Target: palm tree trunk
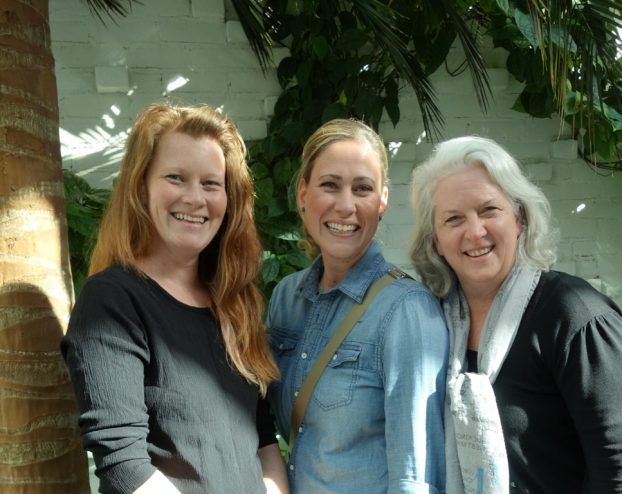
40	449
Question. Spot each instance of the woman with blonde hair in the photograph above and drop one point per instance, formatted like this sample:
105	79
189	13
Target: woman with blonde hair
166	348
373	422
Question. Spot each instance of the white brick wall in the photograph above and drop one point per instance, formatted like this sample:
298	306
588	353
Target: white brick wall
190	38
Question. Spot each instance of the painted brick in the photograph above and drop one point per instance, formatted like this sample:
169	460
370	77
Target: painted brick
112	80
400	152
75	80
254	81
400	172
252	129
70	31
235	33
233	57
199	81
78	55
566	266
153	55
243	107
539	172
564	149
587	268
189	30
584	250
208	8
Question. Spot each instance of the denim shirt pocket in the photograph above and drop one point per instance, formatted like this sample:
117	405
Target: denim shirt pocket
336	385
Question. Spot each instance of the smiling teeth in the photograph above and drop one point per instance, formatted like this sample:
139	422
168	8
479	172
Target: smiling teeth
186	217
341	228
479	252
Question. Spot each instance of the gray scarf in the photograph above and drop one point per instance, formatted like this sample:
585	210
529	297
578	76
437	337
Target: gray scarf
475	449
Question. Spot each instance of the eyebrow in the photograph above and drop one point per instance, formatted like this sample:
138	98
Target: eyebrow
339	177
453	211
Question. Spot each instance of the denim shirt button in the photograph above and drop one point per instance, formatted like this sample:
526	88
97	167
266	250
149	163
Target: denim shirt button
335	357
291	467
304	355
300	429
296	393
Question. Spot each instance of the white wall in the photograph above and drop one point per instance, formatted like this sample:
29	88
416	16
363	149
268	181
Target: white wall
167	39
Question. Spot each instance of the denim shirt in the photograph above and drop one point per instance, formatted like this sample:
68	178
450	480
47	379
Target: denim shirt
375	422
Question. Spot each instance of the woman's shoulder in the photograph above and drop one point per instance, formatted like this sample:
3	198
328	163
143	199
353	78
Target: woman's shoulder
569	302
567	293
112	285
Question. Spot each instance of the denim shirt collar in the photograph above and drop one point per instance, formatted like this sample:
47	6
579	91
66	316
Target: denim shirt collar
355	283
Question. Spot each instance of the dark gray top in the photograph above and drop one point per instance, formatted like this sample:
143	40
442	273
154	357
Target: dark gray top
155	390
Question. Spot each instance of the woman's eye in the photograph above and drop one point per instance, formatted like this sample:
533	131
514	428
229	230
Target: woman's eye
211	184
490	209
328	185
364	188
173	177
452	219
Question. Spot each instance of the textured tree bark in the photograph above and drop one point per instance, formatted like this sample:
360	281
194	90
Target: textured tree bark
40	449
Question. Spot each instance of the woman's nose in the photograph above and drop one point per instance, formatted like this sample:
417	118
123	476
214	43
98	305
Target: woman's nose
194	193
475	229
345	203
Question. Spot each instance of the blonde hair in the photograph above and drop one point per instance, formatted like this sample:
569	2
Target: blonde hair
338	129
230	264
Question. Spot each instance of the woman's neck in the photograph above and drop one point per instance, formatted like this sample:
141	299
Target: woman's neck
181	280
479	306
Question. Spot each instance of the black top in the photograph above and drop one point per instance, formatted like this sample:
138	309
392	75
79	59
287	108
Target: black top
559	392
155	390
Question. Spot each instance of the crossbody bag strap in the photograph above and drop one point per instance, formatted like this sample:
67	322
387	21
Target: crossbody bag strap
348	322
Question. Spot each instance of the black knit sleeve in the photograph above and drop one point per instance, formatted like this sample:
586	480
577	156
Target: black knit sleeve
265	424
106	352
591	384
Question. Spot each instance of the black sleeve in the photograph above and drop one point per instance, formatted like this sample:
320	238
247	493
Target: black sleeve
590	381
106	352
265	424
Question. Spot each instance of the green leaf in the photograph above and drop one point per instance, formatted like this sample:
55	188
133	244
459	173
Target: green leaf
320	47
297	258
525	25
259	171
270	269
264	189
334	110
504	5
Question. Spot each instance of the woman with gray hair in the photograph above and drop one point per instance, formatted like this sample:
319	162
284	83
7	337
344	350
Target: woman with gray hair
533	396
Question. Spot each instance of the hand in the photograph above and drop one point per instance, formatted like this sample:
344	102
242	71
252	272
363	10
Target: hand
157	484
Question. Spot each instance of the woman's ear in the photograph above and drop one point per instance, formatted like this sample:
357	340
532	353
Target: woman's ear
520	220
384	200
301	194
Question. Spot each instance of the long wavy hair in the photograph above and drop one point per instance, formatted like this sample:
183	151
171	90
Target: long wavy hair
537	241
230	264
338	129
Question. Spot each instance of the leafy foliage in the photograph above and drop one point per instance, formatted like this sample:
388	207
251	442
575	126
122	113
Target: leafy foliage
85	207
347	59
567	54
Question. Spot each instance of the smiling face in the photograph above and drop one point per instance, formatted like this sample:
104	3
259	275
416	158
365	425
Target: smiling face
343	199
476	230
185	195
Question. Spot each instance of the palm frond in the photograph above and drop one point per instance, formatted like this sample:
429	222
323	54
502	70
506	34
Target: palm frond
255	19
112	8
583	30
447	9
378	17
